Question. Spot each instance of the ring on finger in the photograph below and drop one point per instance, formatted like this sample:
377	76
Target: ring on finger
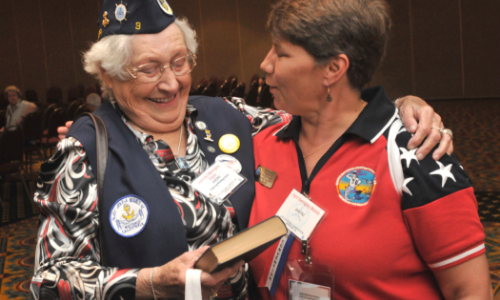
447	131
441	130
214	294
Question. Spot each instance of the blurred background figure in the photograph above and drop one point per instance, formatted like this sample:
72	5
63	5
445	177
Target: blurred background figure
17	108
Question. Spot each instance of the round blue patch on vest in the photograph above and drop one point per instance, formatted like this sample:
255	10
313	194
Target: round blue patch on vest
129	215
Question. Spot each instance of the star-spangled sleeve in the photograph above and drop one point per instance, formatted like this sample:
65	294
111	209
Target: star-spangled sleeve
261	118
439	208
67	251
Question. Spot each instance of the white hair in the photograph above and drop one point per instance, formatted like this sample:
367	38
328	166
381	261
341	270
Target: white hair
113	53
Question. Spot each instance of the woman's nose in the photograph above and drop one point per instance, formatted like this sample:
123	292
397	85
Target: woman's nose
168	81
267	64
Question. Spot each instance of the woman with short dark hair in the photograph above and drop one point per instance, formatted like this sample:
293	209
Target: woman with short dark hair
396	226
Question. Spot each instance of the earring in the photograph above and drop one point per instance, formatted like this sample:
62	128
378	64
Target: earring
329	97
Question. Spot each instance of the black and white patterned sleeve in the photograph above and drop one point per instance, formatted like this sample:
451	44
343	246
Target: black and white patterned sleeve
67	251
260	117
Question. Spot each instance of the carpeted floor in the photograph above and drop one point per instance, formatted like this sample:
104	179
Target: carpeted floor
477	142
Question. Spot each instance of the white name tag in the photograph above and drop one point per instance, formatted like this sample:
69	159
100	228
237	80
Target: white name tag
308	291
300	215
218	182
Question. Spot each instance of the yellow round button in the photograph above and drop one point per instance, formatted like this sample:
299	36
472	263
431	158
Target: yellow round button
229	143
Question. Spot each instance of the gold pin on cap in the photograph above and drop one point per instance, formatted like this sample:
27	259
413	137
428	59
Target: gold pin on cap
229	143
105	20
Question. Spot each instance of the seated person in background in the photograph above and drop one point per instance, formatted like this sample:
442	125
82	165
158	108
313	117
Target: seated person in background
17	108
93	102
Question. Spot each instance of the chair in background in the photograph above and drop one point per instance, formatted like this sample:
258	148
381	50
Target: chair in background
265	97
253	92
56	119
72	108
11	155
54	95
225	89
32	130
46	115
199	88
210	90
239	91
81	109
233	82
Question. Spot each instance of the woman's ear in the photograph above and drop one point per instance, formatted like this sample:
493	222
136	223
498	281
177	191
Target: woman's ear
106	78
336	69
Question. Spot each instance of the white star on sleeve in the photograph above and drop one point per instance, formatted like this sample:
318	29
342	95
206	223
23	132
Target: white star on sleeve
405	188
408	156
444	172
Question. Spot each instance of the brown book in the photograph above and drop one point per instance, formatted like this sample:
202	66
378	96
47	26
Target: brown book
245	245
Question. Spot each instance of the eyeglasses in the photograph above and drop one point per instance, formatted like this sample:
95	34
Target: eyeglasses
151	72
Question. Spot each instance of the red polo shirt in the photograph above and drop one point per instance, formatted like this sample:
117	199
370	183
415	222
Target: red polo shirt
391	219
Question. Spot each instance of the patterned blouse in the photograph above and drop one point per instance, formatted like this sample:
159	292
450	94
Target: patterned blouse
67	253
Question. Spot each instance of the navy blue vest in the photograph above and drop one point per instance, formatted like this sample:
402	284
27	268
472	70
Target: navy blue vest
130	171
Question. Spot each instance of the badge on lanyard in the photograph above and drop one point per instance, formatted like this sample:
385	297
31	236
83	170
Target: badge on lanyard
218	182
301	217
265	176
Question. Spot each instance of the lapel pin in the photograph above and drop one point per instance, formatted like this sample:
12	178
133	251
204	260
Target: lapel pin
229	143
209	136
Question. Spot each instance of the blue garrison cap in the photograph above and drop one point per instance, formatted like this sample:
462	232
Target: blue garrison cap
134	17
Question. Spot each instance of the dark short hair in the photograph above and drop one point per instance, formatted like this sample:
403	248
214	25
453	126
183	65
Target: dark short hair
326	28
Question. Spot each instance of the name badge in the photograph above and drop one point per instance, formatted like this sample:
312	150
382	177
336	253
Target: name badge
218	182
300	215
307	291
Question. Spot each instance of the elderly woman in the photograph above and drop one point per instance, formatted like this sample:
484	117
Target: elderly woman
395	227
18	109
159	142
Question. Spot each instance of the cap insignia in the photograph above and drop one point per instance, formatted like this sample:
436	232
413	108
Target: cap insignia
165	7
121	12
105	20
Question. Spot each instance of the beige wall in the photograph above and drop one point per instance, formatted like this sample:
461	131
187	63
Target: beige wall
439	49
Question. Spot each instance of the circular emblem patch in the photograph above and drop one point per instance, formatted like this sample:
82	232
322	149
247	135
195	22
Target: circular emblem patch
165	7
129	215
355	186
120	12
229	161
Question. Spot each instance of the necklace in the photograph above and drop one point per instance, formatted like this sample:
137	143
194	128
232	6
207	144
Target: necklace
305	156
181	162
363	103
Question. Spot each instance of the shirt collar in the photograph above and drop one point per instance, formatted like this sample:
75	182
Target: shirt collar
369	125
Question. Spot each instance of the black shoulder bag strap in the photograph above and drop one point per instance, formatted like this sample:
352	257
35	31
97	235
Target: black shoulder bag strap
101	138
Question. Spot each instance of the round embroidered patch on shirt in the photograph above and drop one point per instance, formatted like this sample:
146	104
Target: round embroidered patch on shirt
229	161
355	185
129	215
